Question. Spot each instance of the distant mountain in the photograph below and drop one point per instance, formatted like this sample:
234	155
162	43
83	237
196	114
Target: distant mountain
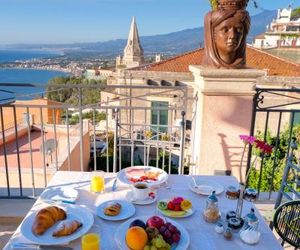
167	44
259	23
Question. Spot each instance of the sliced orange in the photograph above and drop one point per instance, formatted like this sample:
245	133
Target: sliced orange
185	205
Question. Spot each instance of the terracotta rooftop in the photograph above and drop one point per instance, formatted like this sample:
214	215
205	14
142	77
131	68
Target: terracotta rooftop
258	59
260	36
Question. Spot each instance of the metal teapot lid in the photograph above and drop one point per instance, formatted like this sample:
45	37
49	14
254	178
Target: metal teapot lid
213	197
251	217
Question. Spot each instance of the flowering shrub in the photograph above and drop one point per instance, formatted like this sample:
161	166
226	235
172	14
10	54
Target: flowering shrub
274	161
262	147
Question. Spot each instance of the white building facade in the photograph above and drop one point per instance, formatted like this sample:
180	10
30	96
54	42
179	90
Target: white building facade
283	32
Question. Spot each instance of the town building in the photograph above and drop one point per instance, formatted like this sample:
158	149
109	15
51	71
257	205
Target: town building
283	32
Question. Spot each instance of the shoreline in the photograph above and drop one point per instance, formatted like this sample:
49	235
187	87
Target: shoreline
40	68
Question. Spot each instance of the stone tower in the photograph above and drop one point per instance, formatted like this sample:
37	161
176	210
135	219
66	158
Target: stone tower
133	52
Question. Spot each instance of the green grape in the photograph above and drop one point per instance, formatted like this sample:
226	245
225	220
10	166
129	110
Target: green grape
153	241
159	243
153	248
160	236
147	247
168	247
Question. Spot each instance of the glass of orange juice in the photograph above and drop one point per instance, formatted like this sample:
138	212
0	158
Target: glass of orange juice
97	182
90	241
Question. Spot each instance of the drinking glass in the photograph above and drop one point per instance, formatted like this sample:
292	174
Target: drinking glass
97	182
90	241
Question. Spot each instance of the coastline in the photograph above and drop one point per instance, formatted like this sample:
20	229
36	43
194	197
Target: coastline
65	70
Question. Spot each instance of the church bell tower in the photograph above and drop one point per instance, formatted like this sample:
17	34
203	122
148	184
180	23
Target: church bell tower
133	52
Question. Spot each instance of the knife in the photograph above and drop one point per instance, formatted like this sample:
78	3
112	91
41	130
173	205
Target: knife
19	246
114	186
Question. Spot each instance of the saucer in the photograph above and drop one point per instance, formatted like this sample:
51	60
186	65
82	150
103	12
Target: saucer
149	200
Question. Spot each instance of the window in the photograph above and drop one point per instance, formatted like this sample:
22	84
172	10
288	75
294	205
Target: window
159	118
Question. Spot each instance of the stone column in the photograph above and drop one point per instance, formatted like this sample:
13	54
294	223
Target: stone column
223	112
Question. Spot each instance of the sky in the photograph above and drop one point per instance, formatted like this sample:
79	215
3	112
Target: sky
69	21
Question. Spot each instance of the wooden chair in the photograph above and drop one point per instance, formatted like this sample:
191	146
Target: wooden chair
287	222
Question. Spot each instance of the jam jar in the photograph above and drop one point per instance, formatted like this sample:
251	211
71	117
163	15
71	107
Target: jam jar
212	213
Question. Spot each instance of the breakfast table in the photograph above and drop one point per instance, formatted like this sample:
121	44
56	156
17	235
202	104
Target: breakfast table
202	234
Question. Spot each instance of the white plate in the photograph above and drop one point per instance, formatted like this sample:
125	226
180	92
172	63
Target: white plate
149	200
68	195
161	178
205	187
127	210
120	233
73	213
188	212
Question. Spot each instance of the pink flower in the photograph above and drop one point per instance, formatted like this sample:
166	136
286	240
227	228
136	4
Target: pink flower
247	139
263	147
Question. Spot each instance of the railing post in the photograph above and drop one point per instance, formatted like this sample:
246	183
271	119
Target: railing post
30	149
116	112
43	146
18	151
182	140
68	138
55	137
253	119
94	141
5	152
81	128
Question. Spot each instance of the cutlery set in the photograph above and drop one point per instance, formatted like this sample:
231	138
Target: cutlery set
20	246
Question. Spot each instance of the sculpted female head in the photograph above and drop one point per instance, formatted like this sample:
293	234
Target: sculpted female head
225	38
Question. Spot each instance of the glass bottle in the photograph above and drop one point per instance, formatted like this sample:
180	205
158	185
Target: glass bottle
211	213
235	221
249	233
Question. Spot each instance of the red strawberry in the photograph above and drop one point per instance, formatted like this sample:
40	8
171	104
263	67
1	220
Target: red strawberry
177	207
171	206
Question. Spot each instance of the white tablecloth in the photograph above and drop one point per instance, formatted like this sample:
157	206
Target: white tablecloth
202	234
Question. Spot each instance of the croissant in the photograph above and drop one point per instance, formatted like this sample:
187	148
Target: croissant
46	218
66	227
113	209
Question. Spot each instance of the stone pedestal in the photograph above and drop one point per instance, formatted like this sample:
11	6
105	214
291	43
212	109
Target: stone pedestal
223	112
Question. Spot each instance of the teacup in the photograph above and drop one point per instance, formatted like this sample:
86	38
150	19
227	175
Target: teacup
140	191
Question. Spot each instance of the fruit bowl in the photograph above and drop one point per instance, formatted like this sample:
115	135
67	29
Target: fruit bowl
123	236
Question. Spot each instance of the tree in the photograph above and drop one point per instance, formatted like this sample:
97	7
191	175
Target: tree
271	162
71	95
99	116
295	13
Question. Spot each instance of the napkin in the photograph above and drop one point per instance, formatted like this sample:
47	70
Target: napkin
65	195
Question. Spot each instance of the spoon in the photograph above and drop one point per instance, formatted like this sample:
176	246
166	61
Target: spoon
195	183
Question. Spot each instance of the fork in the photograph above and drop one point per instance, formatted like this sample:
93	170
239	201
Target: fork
167	185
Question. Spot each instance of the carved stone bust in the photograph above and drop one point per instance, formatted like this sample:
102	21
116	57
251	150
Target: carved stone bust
225	33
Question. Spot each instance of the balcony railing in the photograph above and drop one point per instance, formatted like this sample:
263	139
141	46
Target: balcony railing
121	129
276	120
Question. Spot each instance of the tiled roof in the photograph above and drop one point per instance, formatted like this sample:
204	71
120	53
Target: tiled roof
258	59
260	36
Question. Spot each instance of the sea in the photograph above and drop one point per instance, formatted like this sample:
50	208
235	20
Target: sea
19	77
